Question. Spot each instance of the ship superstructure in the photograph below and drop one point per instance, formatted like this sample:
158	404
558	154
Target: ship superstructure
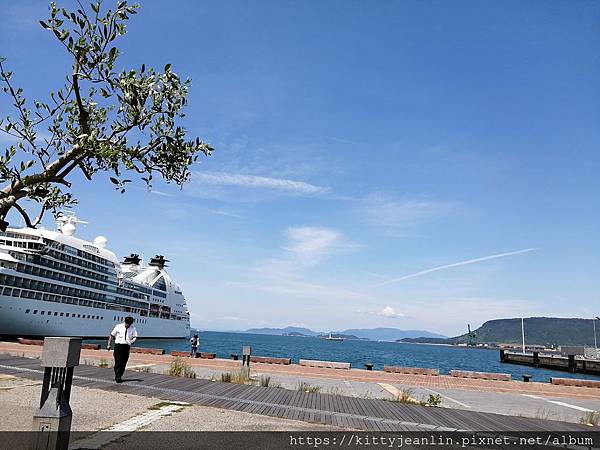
54	284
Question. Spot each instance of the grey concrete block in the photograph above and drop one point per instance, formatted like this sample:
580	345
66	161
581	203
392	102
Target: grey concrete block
61	352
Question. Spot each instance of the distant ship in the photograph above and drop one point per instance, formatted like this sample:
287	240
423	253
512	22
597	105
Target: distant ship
332	338
55	284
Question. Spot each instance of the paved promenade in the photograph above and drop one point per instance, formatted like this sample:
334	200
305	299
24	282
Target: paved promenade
218	366
514	398
337	410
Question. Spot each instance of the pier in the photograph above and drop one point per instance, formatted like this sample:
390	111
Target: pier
565	363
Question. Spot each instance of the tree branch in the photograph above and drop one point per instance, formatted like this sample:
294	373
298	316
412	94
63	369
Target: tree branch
38	219
24	214
83	114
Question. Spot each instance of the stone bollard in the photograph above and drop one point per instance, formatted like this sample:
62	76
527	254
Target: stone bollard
246	352
52	422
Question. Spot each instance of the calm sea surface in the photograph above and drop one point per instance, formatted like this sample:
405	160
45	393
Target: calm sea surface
358	353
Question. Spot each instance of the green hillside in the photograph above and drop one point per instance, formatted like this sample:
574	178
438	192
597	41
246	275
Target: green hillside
538	330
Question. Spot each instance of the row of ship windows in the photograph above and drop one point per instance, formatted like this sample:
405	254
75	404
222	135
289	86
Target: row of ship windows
58	276
78	257
122	318
51	298
132	303
159	294
77	260
30	245
48	287
81	253
94	258
36	259
135	287
74	301
131	293
80	316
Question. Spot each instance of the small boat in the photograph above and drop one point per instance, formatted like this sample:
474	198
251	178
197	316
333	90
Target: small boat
333	338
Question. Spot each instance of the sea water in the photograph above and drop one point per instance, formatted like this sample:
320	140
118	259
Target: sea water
358	352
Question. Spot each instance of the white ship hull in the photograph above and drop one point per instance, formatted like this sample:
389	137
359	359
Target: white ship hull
15	321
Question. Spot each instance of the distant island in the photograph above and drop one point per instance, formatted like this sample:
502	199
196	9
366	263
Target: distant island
374	334
546	331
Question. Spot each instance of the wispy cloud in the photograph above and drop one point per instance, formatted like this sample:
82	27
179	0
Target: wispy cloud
160	193
289	274
457	264
220	212
399	213
253	181
311	242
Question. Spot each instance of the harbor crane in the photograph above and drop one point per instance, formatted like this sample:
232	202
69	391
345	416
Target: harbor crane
471	336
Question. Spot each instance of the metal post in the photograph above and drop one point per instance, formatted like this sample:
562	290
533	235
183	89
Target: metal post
52	422
523	333
536	359
246	352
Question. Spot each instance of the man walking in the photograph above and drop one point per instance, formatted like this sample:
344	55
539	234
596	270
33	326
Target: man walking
194	344
124	335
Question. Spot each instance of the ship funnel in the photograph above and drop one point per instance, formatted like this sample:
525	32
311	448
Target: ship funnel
133	259
158	261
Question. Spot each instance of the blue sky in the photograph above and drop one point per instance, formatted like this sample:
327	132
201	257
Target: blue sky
358	144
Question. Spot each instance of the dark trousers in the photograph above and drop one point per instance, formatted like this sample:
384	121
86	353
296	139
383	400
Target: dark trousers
121	355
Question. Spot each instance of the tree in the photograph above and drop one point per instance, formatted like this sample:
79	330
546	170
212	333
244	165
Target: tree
101	120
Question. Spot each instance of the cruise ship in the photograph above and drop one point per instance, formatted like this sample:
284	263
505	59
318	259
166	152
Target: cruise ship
54	284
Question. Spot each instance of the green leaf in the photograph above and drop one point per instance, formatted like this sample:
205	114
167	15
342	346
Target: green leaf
167	67
114	180
44	25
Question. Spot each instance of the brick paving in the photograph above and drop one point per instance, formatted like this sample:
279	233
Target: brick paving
360	375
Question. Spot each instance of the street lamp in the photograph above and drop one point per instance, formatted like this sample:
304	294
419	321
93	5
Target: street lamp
594	322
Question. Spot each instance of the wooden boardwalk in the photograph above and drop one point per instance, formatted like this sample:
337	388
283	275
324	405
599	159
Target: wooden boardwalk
337	410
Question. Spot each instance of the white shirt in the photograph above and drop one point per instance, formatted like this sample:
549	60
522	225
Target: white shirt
124	335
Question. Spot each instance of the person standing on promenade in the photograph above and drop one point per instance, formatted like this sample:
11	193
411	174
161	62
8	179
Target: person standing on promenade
124	335
194	344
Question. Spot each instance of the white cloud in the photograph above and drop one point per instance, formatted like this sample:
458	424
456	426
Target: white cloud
311	242
388	312
253	181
